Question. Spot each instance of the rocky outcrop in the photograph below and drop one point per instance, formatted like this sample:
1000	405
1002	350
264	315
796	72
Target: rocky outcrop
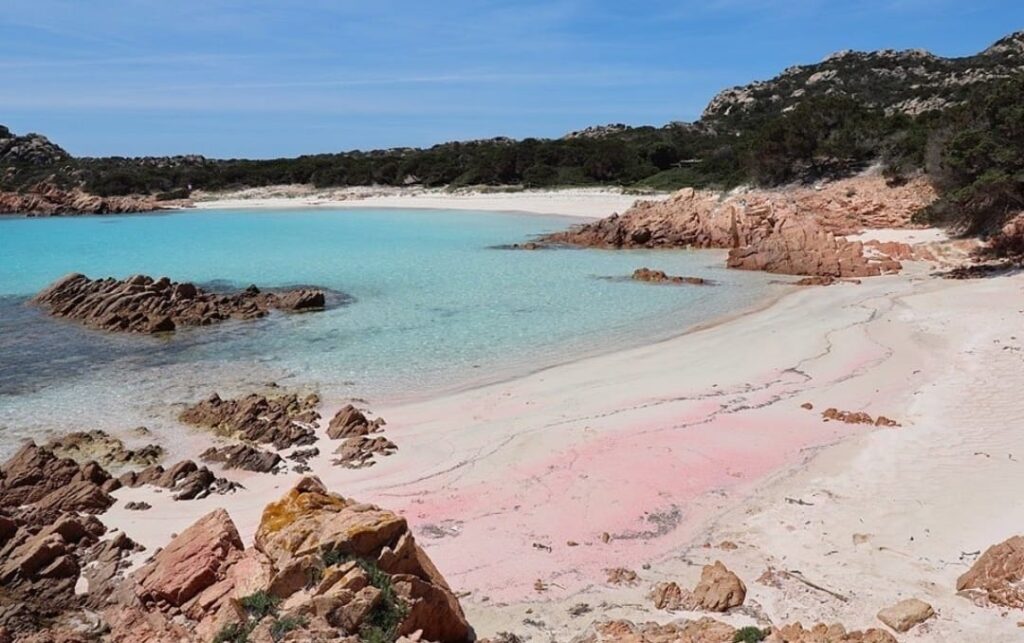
659	277
359	447
243	456
597	131
908	82
141	304
997	577
283	421
301	458
803	247
30	149
193	561
792	231
49	540
186	480
48	200
350	421
322	568
359	452
822	633
1008	243
906	614
98	446
719	590
35	482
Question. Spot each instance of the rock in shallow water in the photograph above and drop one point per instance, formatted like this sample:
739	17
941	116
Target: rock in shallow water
659	277
141	304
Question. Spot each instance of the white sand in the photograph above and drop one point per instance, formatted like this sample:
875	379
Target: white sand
578	202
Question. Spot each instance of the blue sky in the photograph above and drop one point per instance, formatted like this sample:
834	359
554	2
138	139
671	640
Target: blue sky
251	78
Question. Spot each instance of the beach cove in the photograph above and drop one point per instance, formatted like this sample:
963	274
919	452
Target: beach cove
637	458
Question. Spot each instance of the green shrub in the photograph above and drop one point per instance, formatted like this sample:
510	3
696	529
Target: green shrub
285	624
749	634
233	633
260	604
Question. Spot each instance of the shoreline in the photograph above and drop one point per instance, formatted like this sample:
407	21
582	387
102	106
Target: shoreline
655	445
511	373
577	203
649	457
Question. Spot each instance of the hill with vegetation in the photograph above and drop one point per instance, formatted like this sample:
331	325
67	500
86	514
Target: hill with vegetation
956	119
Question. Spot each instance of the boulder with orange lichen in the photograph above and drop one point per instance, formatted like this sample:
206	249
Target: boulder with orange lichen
311	527
323	568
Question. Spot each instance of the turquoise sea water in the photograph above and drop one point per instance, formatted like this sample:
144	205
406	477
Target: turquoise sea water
434	306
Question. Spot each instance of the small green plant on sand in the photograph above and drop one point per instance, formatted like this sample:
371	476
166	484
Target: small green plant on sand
749	634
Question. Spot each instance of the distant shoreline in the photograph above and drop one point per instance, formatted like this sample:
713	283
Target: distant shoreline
585	203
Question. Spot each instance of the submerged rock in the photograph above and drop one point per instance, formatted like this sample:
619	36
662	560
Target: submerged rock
141	304
659	277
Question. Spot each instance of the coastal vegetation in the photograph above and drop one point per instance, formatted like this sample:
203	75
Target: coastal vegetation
956	119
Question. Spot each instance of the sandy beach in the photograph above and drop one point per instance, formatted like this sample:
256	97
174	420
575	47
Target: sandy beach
512	323
587	203
526	491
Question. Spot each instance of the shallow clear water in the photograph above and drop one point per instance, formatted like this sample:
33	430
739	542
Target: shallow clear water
434	306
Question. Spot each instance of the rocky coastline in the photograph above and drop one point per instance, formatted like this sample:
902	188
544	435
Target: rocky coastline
323	567
794	231
48	200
